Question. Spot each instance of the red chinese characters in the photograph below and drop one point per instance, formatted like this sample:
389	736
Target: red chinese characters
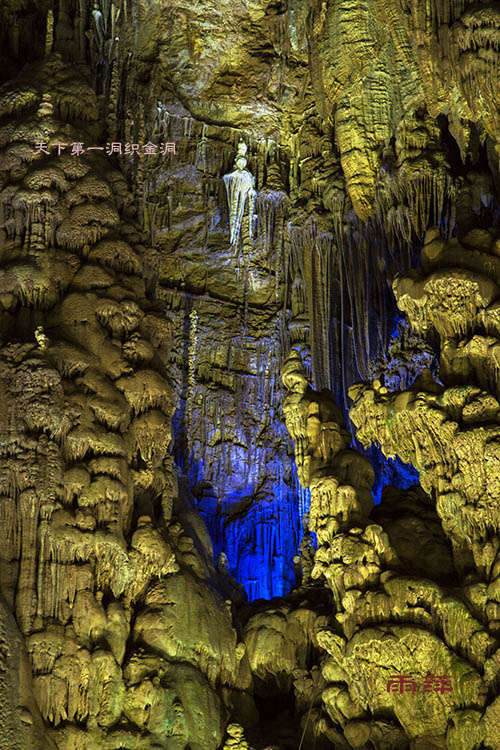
405	683
402	683
437	683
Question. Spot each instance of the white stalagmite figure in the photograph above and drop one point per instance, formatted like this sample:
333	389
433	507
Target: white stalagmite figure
99	27
240	186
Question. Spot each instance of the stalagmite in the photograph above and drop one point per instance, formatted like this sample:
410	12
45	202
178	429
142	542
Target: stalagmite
240	195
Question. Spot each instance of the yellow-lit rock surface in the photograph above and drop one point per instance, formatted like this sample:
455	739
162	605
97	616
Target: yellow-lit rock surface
179	330
90	567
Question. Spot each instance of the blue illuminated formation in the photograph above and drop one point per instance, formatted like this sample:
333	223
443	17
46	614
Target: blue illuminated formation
247	491
237	460
261	534
259	540
406	358
259	546
390	472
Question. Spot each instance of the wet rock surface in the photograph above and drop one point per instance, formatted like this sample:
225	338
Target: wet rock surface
313	202
102	579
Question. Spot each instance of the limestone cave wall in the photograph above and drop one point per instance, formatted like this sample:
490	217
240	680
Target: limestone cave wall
249	374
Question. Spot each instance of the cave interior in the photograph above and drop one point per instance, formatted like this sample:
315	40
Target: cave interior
249	375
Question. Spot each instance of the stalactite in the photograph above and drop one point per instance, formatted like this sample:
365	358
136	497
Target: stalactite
271	208
99	29
49	34
201	150
112	101
356	289
193	343
140	164
312	256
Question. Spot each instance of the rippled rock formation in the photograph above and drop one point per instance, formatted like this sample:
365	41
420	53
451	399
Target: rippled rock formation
111	594
266	296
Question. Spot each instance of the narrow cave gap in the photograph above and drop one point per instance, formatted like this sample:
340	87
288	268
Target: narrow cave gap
280	703
452	150
146	505
19	325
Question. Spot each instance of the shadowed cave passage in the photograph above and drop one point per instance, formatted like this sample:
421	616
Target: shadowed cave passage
260	533
390	472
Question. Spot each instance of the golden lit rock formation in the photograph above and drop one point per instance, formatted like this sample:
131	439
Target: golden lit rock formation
217	220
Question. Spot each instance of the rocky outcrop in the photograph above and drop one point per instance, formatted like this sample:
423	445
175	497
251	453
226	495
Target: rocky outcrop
284	161
395	615
448	430
125	631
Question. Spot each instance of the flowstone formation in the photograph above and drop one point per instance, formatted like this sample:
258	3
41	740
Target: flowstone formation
449	430
190	553
405	600
130	643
